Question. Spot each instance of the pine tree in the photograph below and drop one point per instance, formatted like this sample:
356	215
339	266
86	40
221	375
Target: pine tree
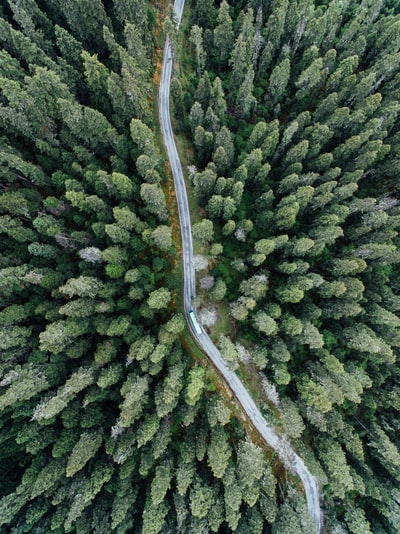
196	37
223	34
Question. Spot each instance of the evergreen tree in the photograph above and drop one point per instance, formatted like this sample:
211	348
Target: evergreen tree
223	34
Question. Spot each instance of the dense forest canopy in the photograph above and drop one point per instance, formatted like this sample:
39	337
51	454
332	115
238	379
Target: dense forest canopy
107	421
293	112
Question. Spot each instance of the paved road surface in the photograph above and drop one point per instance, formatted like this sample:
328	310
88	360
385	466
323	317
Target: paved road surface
203	340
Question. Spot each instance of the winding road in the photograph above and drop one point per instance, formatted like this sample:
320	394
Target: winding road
203	340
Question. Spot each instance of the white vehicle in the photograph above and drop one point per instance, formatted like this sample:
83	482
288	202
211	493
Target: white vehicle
195	322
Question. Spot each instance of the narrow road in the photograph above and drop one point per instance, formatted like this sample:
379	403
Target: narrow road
268	434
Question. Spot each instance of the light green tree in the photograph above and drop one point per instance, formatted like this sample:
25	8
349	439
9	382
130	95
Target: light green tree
162	236
232	498
250	467
314	394
85	449
159	298
22	383
168	391
245	100
200	498
143	137
218	451
51	407
265	324
96	74
154	199
203	231
196	37
334	459
154	517
134	391
160	483
117	234
223	34
279	79
83	286
195	385
228	351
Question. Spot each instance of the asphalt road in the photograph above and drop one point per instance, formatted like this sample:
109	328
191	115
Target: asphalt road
203	340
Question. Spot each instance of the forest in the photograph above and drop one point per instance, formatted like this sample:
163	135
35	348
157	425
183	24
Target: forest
292	108
109	422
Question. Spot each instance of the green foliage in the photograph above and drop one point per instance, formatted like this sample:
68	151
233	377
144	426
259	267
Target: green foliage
23	383
228	351
250	463
78	381
162	237
134	392
195	385
159	298
200	498
218	452
154	199
295	128
80	285
160	484
203	231
265	324
223	33
340	479
85	449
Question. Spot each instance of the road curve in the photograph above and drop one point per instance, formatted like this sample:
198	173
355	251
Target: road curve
203	340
